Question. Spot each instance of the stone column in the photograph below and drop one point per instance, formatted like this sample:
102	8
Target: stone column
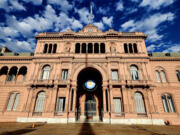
104	99
52	108
125	100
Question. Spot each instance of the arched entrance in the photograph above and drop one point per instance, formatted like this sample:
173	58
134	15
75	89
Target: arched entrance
89	104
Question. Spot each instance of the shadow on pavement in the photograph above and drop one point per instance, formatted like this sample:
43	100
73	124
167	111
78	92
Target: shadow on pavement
146	130
86	129
17	132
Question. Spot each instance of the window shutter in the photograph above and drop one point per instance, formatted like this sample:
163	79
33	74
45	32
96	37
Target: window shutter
11	99
16	101
46	73
157	76
171	103
165	105
39	107
117	105
114	75
134	73
163	76
60	104
139	103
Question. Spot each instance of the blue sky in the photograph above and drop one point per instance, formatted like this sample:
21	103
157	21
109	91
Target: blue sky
20	20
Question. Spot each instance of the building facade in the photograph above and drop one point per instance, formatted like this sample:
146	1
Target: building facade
90	76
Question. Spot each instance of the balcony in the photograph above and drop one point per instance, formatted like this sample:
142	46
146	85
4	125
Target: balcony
46	83
61	82
132	83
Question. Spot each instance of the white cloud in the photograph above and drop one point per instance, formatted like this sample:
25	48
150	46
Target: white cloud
108	21
32	25
35	2
128	24
16	5
135	0
3	4
149	25
156	4
151	48
11	5
76	24
83	14
131	10
119	6
100	25
173	48
103	11
64	4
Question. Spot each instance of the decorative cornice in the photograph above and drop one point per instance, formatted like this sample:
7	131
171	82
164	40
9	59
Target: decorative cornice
164	58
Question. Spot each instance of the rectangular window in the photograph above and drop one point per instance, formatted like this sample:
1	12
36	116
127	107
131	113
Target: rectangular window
61	104
64	75
117	105
114	74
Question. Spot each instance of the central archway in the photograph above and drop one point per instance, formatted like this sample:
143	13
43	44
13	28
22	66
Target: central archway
89	103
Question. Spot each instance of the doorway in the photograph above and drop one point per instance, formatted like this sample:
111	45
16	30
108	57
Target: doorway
89	102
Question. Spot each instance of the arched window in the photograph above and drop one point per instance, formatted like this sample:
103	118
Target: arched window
50	48
135	48
54	48
77	48
163	76
125	48
130	48
90	48
139	103
102	48
13	101
22	73
12	74
83	48
178	75
157	76
45	48
40	101
96	48
168	103
134	73
3	73
45	73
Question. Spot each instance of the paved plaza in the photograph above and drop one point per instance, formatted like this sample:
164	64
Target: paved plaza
85	129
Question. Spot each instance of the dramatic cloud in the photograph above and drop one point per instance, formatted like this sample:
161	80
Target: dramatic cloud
151	48
100	25
83	14
119	6
27	27
35	2
103	11
149	25
173	48
156	4
18	25
11	5
64	4
108	21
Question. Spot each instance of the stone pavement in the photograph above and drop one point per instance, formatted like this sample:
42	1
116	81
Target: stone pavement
85	129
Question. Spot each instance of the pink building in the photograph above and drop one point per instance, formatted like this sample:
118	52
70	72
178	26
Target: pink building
90	76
